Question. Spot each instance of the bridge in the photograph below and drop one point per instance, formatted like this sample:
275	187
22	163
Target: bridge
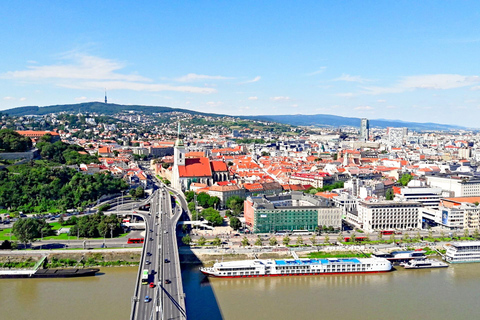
159	291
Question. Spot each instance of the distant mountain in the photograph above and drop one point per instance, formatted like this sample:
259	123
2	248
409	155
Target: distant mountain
321	120
324	120
97	107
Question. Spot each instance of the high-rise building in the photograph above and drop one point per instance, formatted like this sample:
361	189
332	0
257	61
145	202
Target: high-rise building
396	136
364	129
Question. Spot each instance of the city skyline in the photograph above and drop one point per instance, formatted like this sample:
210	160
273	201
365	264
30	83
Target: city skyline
368	60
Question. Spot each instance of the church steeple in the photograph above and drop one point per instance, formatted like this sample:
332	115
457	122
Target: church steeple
179	141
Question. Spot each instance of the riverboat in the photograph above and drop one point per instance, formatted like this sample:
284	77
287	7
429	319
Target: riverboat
424	264
296	267
397	257
48	273
463	252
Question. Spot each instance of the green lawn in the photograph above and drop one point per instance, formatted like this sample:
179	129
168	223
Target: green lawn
5	234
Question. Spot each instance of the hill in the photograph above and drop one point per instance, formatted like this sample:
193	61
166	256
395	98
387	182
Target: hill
321	120
94	107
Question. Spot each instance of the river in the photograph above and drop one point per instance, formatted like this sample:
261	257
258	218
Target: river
450	293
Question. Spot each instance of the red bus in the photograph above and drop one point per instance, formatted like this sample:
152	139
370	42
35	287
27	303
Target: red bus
135	240
359	239
387	232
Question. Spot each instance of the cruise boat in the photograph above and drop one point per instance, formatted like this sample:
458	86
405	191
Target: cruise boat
463	252
397	257
296	267
424	264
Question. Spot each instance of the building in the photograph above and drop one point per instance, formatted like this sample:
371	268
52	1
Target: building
455	185
36	135
225	192
428	197
454	213
364	129
396	136
294	211
384	215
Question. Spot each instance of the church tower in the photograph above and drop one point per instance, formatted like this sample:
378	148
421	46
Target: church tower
178	160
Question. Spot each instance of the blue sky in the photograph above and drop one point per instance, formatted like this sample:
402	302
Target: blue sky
406	60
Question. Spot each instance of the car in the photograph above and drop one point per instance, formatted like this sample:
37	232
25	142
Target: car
167	281
147	299
165	231
147	262
149	254
167	261
151	230
152	285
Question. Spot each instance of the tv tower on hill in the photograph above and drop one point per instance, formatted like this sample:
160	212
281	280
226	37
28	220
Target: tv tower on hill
106	96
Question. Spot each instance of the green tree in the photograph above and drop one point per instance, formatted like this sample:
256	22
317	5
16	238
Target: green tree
213	202
26	230
466	233
406	237
475	234
340	237
235	223
235	203
139	192
258	242
202	199
313	239
189	196
245	242
272	241
300	241
389	194
202	241
217	242
11	141
327	239
186	240
191	206
286	240
405	179
380	235
430	232
212	216
353	237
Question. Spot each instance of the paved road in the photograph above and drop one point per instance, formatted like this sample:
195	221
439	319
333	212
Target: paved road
166	299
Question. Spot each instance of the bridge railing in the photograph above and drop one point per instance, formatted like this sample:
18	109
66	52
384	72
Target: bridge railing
135	297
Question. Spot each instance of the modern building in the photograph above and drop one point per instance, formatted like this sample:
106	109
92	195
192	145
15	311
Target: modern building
396	136
384	215
364	129
428	197
294	211
457	185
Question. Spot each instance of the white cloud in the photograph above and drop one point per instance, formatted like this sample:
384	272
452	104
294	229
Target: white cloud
280	98
8	98
191	77
349	78
136	86
257	78
364	108
89	72
82	66
22	99
431	81
345	95
252	98
81	98
321	70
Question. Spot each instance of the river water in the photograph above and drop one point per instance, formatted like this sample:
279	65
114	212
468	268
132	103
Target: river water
450	293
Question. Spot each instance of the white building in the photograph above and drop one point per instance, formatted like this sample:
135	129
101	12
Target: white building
384	215
428	197
460	187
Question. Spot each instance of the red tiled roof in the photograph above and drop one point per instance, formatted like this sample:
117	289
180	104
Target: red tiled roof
195	167
218	166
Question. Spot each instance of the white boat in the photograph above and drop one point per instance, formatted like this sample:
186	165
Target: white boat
463	252
424	264
296	267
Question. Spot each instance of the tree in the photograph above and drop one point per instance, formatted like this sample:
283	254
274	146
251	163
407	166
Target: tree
217	242
300	241
235	223
430	232
353	237
389	194
380	236
212	216
406	237
132	193
245	242
26	230
405	179
340	237
466	233
189	196
213	202
139	192
258	242
186	240
475	234
202	199
286	240
191	206
313	239
327	239
272	241
235	203
166	165
202	241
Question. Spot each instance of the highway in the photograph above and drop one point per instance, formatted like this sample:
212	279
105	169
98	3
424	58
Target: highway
166	298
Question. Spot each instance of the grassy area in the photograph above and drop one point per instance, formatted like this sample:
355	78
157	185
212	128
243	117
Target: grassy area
349	254
5	235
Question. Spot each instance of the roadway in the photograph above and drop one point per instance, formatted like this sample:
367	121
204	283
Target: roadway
166	298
